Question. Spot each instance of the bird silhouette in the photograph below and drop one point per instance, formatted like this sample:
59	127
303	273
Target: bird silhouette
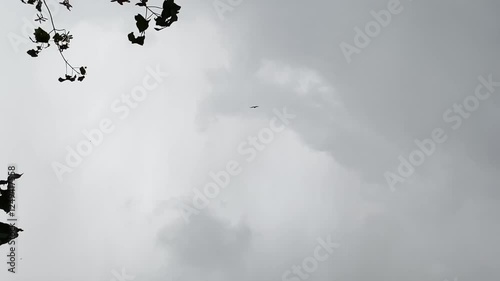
254	106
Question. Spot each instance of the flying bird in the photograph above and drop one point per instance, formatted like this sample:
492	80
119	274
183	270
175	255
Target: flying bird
254	106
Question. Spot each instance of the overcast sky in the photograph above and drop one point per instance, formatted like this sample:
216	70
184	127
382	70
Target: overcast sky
323	174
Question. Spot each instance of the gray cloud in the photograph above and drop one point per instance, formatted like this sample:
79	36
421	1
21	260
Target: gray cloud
323	175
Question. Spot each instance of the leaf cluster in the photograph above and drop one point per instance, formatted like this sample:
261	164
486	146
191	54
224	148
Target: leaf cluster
163	17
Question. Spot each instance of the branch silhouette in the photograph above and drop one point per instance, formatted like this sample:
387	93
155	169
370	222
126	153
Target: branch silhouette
8	232
6	195
163	16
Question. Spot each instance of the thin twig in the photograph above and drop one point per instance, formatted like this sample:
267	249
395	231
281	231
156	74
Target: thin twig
58	48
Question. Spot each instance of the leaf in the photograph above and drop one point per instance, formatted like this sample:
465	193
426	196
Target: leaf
143	3
66	4
39	6
57	38
70	78
41	36
160	21
120	1
33	53
141	23
136	40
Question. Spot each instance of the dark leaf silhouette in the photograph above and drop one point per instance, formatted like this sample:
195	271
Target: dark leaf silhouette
8	232
163	16
6	195
72	78
39	5
143	3
66	4
33	53
136	40
12	177
141	23
41	36
120	1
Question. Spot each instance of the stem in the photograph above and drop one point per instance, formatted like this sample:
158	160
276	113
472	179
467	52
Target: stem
58	48
153	12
